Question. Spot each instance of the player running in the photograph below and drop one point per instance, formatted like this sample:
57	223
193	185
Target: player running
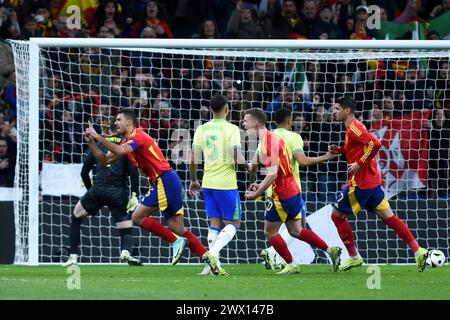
294	144
110	189
166	195
286	205
363	188
220	142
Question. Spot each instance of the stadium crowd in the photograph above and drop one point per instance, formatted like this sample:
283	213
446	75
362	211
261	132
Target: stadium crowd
170	93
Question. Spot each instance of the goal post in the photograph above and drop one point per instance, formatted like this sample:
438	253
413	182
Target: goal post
62	73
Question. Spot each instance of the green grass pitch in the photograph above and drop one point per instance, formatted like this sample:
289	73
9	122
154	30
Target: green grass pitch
247	281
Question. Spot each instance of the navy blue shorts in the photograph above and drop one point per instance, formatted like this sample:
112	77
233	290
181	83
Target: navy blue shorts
285	210
352	199
166	195
224	204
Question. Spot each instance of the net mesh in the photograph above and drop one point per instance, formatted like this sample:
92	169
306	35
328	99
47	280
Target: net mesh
402	96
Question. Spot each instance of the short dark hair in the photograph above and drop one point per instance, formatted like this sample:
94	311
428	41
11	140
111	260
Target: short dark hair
347	102
258	114
218	103
129	114
282	114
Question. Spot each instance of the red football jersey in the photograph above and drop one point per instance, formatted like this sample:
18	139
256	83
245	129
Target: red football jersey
146	155
361	146
272	151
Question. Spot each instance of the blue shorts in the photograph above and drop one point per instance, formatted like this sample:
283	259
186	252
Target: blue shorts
224	204
285	210
352	199
166	195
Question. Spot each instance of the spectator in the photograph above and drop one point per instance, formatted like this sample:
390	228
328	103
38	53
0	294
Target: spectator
283	22
440	9
30	29
388	108
439	155
207	30
41	12
235	103
325	28
323	133
7	165
153	17
243	23
6	63
108	17
309	16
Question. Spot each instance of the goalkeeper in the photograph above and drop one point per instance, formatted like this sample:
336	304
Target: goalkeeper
110	189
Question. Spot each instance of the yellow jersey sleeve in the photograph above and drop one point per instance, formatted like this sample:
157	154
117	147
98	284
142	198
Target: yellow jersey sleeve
297	143
198	138
235	139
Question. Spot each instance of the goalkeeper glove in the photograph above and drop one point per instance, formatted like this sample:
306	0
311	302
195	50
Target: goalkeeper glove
132	203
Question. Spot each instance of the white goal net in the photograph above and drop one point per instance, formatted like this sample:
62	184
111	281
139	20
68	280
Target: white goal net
403	97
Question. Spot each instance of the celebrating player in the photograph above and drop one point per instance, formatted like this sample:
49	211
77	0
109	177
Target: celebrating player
286	205
363	188
294	144
110	189
220	142
166	195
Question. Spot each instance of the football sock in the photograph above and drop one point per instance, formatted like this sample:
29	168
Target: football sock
346	234
213	232
223	238
287	238
75	234
402	230
154	226
194	244
313	239
281	247
126	239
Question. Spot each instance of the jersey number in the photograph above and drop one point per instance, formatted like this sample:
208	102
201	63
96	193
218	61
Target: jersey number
213	149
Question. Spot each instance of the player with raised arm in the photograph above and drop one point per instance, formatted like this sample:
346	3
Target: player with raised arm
166	195
220	143
286	205
363	188
294	144
110	189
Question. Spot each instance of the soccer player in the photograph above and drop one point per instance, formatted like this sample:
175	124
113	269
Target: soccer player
286	205
220	142
294	144
166	195
110	189
363	188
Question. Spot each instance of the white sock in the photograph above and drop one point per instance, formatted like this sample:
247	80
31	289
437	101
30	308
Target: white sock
355	257
224	237
212	236
287	238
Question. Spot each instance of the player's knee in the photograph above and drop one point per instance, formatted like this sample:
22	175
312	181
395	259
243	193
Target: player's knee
336	216
136	219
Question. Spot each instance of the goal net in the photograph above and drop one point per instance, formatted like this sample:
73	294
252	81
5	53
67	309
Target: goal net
403	96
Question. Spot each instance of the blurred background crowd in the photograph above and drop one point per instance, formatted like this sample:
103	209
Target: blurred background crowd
171	92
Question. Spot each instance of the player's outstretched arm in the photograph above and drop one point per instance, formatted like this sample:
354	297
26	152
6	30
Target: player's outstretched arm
103	159
120	150
305	161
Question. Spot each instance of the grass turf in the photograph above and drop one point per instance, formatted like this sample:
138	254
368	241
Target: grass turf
245	282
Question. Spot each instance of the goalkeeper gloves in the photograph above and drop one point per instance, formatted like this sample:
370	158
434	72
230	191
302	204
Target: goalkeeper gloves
132	203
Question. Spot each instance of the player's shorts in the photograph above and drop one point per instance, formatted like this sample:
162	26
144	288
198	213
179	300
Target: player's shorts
116	199
166	195
285	210
352	199
224	204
